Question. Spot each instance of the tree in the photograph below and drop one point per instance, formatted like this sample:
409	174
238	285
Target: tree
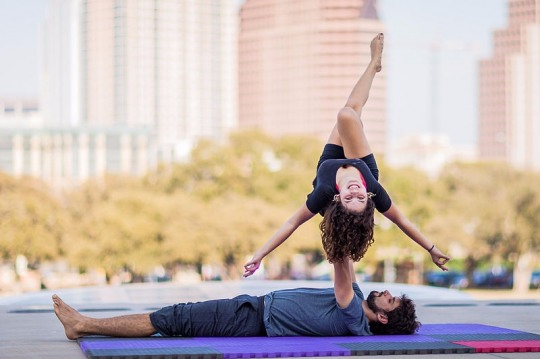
412	191
119	226
32	220
499	208
524	224
278	170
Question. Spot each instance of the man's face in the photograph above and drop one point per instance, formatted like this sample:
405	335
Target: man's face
382	302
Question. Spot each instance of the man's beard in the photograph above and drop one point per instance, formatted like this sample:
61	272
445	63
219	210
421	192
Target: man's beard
371	302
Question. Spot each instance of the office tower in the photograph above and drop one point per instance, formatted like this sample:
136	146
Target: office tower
127	84
169	65
509	87
298	61
59	64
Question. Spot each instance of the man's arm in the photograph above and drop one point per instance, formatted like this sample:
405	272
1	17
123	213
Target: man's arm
351	270
343	279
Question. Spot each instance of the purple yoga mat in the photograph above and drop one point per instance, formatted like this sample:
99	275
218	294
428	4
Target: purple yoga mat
431	339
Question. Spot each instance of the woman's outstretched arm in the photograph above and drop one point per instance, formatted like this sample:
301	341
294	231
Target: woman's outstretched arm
280	236
396	216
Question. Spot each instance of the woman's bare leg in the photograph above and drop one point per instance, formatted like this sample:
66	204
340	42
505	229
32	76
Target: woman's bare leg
77	325
360	92
349	130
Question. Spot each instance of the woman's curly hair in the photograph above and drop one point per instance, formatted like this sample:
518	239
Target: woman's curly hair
401	320
345	233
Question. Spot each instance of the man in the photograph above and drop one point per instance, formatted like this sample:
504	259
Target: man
292	312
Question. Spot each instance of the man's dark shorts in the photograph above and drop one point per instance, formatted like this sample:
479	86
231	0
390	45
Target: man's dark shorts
241	316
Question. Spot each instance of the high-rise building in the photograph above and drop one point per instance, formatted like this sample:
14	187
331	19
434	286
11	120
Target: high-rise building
59	64
166	64
298	61
167	67
509	88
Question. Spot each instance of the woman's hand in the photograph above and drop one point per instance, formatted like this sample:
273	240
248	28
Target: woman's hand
252	266
439	258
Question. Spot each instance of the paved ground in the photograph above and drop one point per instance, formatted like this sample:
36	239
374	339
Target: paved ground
29	328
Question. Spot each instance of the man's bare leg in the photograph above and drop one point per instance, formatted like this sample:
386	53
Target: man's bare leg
77	325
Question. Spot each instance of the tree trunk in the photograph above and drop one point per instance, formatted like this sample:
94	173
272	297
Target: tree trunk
522	272
470	266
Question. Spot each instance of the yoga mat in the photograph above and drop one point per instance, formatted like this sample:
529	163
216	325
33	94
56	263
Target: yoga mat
431	339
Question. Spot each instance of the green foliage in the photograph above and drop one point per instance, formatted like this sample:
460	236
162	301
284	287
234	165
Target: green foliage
498	207
279	171
32	220
412	191
122	229
229	198
217	208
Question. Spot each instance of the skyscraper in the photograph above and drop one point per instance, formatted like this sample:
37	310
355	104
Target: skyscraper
169	65
509	90
298	61
126	84
59	62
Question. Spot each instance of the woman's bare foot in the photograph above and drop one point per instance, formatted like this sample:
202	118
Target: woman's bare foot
69	317
376	46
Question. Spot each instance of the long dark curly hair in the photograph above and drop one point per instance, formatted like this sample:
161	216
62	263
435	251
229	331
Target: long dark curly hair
401	320
345	233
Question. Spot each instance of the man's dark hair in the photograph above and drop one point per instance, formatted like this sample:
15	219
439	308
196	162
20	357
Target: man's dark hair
345	233
401	320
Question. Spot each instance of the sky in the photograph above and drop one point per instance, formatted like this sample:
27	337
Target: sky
20	22
432	49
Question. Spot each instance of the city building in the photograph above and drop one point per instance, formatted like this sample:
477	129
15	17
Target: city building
60	84
298	61
64	156
167	64
166	69
509	89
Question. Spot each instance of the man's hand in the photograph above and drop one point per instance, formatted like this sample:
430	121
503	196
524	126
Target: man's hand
439	258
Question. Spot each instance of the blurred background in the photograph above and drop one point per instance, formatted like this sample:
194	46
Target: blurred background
166	140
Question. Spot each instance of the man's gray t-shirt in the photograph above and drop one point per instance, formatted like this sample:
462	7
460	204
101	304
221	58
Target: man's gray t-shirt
313	312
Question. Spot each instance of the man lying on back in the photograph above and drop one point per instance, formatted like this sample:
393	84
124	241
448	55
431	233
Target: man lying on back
337	311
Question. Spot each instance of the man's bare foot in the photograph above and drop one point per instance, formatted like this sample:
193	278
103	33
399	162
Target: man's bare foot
376	46
69	318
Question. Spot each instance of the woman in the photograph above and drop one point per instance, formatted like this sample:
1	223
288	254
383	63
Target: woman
346	189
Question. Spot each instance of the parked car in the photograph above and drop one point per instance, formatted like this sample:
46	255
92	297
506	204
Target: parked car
535	280
450	279
499	278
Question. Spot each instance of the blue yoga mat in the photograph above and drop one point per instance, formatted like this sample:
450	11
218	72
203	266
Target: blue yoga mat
431	339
